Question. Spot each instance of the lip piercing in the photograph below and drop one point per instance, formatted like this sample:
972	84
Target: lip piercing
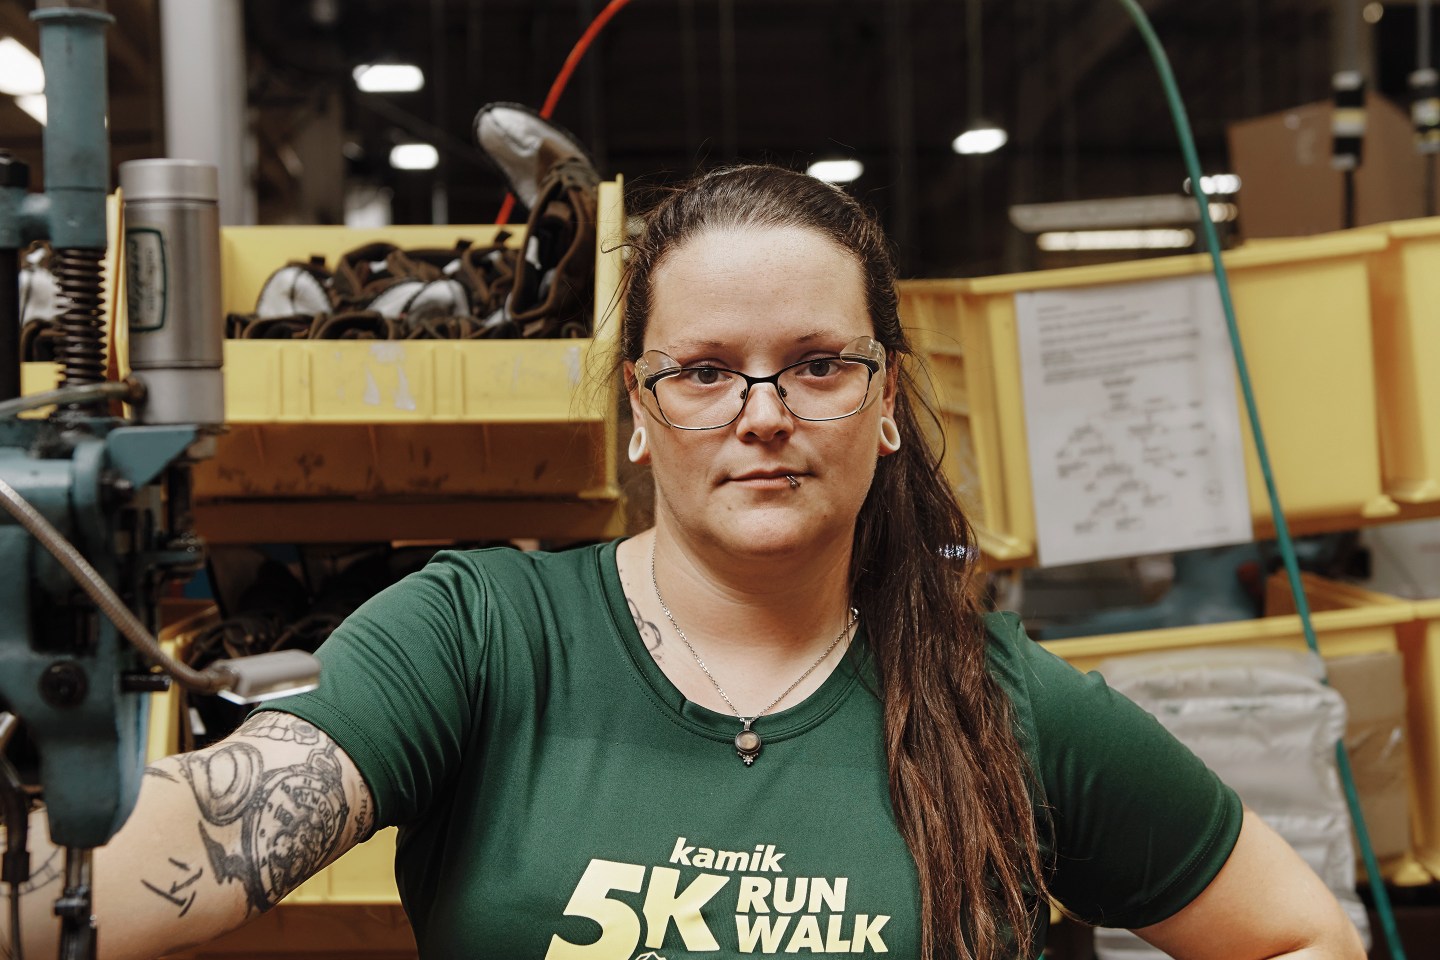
794	484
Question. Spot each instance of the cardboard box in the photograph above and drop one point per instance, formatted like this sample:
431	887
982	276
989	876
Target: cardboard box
1373	686
1288	187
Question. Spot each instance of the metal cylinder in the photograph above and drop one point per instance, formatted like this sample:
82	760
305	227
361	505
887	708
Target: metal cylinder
172	289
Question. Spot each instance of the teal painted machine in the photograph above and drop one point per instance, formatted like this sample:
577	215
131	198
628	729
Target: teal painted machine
96	520
65	670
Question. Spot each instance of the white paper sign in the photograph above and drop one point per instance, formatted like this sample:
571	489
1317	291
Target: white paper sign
1132	420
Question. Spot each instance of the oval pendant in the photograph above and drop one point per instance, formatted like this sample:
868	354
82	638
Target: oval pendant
747	745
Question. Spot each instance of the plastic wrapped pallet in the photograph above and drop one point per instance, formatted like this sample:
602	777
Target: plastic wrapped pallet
1263	720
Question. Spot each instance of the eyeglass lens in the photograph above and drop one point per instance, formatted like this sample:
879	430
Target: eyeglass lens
826	388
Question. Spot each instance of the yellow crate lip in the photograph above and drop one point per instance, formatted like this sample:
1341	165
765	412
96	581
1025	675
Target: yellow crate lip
1239	631
1350	594
1425	609
1269	255
938	284
401	235
1414	229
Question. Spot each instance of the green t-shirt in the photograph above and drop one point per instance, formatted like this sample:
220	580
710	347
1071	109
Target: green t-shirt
559	798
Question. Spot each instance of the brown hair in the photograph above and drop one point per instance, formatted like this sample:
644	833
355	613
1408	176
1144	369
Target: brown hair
959	778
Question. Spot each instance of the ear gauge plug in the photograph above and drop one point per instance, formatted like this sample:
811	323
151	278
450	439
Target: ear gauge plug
889	435
638	445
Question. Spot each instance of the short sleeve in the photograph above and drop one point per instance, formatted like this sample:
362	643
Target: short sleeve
400	682
1140	824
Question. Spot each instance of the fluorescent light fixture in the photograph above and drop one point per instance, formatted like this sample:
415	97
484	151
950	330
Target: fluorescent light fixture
1221	184
1373	12
388	78
33	104
836	171
414	156
1164	210
1223	212
980	138
20	70
1073	240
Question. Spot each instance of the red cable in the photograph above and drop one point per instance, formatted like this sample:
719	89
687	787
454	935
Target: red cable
573	61
562	78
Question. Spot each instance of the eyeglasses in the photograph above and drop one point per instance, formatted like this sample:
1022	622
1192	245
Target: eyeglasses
704	397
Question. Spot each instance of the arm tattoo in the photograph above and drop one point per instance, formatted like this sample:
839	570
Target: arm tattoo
285	727
180	892
159	774
364	817
281	825
649	633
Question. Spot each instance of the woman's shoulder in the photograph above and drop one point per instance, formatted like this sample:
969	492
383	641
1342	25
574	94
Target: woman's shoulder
459	586
1012	656
1041	686
1001	626
508	566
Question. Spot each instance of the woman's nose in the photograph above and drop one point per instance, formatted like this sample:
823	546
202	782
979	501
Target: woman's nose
765	414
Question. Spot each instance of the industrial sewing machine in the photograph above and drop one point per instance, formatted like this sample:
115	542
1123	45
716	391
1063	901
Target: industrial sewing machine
96	519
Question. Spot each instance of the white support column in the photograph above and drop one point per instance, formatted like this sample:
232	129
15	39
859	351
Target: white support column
203	48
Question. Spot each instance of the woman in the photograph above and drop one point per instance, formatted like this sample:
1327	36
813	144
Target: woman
776	722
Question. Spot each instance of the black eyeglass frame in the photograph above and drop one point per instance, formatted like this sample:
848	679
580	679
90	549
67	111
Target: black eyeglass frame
872	359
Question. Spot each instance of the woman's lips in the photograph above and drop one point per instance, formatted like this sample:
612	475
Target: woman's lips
767	480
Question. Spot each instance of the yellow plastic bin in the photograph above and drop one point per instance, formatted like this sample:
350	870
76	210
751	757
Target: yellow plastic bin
1371	628
975	376
38	378
1405	286
364	876
1348	621
1304	313
415	439
1421	645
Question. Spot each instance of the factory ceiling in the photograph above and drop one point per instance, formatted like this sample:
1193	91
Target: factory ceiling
675	85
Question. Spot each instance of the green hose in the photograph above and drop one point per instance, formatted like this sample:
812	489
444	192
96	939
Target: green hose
1282	529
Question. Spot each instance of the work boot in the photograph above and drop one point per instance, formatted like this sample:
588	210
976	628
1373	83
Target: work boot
410	302
443	261
365	272
441	328
41	304
296	289
525	146
354	325
276	328
40	341
554	281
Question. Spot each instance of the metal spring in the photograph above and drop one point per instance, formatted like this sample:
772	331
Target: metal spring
82	287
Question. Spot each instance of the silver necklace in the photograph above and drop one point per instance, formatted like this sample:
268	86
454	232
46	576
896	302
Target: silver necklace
747	741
